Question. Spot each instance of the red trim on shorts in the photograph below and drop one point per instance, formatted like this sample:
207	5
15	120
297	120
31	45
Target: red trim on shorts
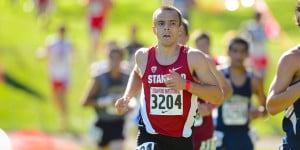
97	22
59	86
259	62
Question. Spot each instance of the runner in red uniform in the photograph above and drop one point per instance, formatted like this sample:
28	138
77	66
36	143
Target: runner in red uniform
97	14
169	93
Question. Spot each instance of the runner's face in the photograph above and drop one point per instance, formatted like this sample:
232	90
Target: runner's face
203	45
166	27
238	54
183	37
115	60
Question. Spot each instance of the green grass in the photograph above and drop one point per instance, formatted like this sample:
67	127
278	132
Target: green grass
21	35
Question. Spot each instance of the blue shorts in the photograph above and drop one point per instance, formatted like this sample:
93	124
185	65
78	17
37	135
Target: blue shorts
236	141
291	143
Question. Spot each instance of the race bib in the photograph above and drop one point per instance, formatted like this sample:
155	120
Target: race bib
146	146
235	110
111	109
165	101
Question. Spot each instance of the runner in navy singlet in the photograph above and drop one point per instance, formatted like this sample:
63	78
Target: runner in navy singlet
235	114
284	94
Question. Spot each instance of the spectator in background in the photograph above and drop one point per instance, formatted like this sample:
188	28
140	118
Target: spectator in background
236	113
133	45
254	32
59	53
97	15
104	90
284	93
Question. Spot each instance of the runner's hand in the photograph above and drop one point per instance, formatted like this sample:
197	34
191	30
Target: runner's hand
122	105
174	81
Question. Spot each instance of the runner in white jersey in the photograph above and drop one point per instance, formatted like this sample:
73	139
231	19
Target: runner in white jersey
59	52
169	93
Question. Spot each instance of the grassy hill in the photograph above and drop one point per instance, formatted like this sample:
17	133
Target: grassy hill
21	34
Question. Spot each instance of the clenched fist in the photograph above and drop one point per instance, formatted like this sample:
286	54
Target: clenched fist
122	105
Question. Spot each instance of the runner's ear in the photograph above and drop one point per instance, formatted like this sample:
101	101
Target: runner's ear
154	30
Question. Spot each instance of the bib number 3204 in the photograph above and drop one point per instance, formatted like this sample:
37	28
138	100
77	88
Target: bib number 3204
165	101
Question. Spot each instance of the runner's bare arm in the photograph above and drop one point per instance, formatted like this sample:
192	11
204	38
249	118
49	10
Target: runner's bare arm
208	88
258	90
223	83
90	98
281	96
134	84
